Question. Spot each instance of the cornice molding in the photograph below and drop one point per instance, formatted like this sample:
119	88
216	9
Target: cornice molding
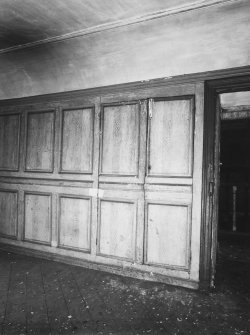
196	5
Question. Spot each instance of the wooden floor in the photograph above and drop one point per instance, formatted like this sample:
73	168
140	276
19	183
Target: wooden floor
45	297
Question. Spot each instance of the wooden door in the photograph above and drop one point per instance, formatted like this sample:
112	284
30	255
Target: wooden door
121	178
173	183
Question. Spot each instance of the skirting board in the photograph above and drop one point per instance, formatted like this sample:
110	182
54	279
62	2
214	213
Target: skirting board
127	272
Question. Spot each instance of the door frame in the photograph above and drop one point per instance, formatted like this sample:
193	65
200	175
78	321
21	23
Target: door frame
211	157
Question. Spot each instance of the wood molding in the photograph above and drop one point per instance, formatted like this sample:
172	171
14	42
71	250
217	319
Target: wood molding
196	5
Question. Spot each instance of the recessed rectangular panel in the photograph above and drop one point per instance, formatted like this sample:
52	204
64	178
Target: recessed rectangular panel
167	235
77	141
117	229
37	218
74	225
120	140
9	142
8	213
40	141
171	138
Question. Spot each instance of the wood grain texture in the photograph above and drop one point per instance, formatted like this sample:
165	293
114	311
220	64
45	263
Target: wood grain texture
117	224
74	225
120	140
40	141
171	138
9	142
111	230
167	235
77	141
37	220
8	213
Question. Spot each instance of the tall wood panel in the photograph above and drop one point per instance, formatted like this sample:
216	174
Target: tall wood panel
40	141
120	140
9	141
77	140
170	150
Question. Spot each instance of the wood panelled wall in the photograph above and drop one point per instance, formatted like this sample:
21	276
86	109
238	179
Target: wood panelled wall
113	180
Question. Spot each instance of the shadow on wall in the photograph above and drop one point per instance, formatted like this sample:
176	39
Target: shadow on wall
16	37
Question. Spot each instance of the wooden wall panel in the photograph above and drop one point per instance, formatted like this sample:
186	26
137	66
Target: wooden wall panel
9	142
101	218
74	224
120	140
77	140
117	224
8	213
171	138
40	141
37	219
167	235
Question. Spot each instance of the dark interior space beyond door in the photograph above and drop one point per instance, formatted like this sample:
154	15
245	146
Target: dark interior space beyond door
234	206
233	270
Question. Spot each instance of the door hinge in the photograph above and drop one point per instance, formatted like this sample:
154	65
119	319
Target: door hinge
150	108
211	188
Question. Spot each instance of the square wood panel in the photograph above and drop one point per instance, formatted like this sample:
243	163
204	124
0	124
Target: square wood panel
37	220
74	224
117	226
167	235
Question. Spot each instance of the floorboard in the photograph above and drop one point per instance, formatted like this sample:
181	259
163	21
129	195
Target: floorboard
44	297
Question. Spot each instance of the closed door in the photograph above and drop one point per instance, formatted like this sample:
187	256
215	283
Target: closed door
169	161
173	183
121	178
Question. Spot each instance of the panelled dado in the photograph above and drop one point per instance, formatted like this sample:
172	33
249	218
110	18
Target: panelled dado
111	179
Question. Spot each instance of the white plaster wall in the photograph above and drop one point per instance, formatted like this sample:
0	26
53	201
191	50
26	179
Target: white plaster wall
200	40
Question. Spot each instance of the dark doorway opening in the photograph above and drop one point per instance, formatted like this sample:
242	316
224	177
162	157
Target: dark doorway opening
212	273
234	207
233	252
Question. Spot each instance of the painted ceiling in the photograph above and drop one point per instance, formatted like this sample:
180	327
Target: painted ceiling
28	21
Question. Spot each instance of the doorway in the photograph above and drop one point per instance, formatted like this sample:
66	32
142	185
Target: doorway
233	251
226	191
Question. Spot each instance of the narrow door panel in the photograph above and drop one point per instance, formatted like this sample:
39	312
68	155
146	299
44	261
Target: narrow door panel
121	178
168	218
